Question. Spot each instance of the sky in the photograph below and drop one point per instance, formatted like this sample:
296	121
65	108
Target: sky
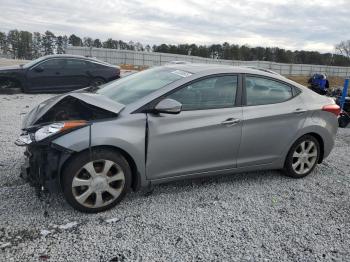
294	24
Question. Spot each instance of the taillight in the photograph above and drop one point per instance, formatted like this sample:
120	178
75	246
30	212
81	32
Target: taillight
334	109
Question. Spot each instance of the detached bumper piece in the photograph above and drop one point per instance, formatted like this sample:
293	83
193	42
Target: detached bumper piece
43	165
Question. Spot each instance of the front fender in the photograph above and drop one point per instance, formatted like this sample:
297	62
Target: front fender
125	133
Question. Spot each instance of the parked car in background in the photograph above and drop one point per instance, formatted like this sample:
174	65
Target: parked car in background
58	73
174	122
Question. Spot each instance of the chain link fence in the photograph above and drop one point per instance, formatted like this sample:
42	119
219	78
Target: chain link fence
137	58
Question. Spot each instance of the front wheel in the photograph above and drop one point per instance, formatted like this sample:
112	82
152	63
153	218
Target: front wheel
302	157
97	183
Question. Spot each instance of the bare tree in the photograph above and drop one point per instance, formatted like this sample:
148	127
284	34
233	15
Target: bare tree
344	48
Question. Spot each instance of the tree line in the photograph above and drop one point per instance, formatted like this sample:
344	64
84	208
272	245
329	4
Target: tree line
27	45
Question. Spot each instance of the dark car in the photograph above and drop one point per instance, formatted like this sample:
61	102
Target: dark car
58	73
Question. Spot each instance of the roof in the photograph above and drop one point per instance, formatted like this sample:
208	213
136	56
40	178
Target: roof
72	56
76	56
201	68
218	68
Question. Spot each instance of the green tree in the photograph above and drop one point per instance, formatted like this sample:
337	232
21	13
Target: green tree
25	45
97	43
3	43
61	44
88	42
109	43
75	40
36	45
13	39
48	43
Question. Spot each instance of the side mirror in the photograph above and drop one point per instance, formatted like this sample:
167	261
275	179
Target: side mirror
39	69
168	106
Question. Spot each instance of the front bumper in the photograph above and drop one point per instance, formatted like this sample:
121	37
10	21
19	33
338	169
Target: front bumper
43	164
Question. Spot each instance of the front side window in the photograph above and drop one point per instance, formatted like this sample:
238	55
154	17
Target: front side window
263	91
52	64
210	93
136	86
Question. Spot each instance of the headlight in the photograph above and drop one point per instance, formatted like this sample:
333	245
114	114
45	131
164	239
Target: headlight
47	131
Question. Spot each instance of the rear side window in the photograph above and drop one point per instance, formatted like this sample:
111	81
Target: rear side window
76	64
97	66
210	93
263	91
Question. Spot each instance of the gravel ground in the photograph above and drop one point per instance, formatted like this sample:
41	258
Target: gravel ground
245	217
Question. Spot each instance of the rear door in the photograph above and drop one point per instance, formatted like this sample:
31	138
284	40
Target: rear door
46	75
76	73
272	115
204	137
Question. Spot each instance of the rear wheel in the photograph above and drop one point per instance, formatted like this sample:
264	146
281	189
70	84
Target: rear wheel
302	157
98	81
98	183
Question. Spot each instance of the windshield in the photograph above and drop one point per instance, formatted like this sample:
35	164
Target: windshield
133	87
33	62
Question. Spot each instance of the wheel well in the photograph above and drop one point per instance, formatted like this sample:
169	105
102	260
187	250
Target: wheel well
99	77
320	141
15	80
135	177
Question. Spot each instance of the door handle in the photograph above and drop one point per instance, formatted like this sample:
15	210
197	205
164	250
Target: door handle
230	121
299	111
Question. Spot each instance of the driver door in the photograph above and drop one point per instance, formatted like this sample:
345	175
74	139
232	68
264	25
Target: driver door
47	76
204	137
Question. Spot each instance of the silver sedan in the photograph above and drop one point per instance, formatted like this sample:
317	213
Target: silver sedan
174	122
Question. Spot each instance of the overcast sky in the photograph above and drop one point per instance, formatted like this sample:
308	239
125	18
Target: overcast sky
291	24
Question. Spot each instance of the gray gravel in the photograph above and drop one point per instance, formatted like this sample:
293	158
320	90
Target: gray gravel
245	217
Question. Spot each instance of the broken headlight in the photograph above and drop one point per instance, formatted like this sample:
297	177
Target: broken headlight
46	131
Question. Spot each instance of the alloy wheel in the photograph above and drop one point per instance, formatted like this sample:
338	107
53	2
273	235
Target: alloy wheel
304	157
98	183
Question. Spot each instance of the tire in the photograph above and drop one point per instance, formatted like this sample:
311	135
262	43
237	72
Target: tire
98	183
97	81
308	159
9	86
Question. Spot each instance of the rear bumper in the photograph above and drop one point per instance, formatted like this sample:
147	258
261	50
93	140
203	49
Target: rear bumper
42	166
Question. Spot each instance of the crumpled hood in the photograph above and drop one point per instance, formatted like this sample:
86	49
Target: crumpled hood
97	100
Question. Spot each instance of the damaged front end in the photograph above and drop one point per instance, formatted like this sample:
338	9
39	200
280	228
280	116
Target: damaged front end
53	119
43	165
